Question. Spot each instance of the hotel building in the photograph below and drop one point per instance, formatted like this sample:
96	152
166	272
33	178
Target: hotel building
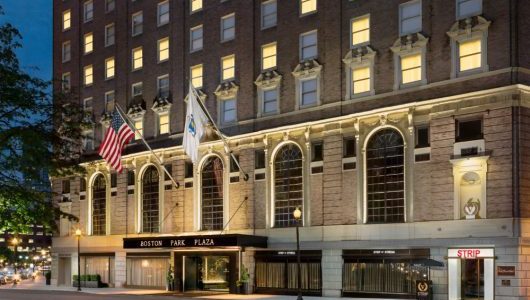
399	128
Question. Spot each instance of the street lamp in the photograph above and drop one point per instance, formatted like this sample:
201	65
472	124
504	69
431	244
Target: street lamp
15	242
297	214
78	235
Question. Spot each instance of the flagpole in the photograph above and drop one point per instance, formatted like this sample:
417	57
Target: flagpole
122	114
227	148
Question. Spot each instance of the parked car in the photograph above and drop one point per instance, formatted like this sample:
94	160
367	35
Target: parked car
9	277
2	279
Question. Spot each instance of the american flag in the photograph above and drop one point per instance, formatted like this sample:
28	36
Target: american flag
116	137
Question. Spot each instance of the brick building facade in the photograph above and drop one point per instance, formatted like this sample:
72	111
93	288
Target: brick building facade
397	127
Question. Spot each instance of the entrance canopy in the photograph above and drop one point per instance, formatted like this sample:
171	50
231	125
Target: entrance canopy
196	241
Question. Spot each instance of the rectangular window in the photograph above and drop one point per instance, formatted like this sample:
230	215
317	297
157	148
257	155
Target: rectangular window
110	5
87	104
163	121
228	27
259	159
109	68
109	34
317	151
188	169
410	68
137	23
169	168
67	51
163	13
270	101
137	58
468	130
308	6
470	55
139	125
113	180
89	42
228	110
82	184
228	66
66	186
67	19
348	147
195	5
361	80
130	177
163	49
163	86
268	56
137	89
66	80
109	101
360	30
268	14
468	8
233	165
88	10
308	45
410	17
422	137
196	76
88	75
308	91
196	38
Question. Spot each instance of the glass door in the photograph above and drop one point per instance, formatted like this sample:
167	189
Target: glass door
473	279
206	273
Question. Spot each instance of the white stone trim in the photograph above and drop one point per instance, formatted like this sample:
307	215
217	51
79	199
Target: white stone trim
355	59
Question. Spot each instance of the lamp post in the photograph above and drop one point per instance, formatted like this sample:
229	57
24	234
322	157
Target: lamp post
78	235
15	242
297	214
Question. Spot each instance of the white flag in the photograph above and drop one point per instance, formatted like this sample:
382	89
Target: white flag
196	121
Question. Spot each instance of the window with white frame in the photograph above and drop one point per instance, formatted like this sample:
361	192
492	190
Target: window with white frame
66	80
137	58
308	45
308	92
411	68
228	111
288	185
89	42
163	13
88	75
88	10
163	49
67	51
469	55
137	89
87	104
137	23
268	14
410	17
268	56
361	80
228	27
163	123
195	5
109	101
308	6
468	8
196	76
270	101
228	66
67	19
109	68
360	30
139	125
110	5
163	86
196	38
109	34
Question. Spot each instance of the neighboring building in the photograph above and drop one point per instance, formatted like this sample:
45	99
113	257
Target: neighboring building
398	127
32	242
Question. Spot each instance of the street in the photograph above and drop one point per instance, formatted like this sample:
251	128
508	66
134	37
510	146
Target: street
8	294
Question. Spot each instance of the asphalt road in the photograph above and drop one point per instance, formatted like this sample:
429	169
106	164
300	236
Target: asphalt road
6	294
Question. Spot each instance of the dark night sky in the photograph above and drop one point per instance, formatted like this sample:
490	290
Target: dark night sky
33	18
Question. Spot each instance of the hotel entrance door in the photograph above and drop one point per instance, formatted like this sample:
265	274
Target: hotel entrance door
207	272
473	279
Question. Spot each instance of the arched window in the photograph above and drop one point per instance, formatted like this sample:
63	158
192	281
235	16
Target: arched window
212	194
288	185
99	206
150	200
385	178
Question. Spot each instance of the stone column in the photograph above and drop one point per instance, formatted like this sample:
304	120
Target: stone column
331	272
120	269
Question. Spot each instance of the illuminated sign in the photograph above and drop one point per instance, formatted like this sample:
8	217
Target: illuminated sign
471	253
197	241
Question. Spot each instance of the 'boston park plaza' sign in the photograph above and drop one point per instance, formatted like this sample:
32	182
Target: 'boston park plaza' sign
195	241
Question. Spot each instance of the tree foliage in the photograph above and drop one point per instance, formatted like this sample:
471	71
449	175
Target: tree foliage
39	136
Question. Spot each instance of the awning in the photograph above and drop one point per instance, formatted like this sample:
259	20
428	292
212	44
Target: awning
196	241
427	262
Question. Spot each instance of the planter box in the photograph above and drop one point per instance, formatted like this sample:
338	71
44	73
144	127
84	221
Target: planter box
87	284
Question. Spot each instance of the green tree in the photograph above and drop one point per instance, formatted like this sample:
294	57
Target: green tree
39	134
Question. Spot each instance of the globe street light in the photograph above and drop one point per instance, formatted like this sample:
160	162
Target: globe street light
78	235
297	214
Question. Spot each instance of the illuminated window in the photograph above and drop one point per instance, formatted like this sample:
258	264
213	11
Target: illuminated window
137	58
308	6
109	68
89	75
196	38
195	5
228	66
163	13
99	206
66	79
308	45
150	200
360	30
212	194
268	14
411	68
268	56
163	86
88	10
228	111
137	23
361	80
109	101
196	76
468	8
228	27
163	49
109	35
163	121
288	185
89	42
67	51
410	17
470	55
139	125
67	19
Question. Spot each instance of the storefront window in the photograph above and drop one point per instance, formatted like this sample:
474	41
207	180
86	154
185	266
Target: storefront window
99	203
288	185
212	194
147	271
99	265
150	200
